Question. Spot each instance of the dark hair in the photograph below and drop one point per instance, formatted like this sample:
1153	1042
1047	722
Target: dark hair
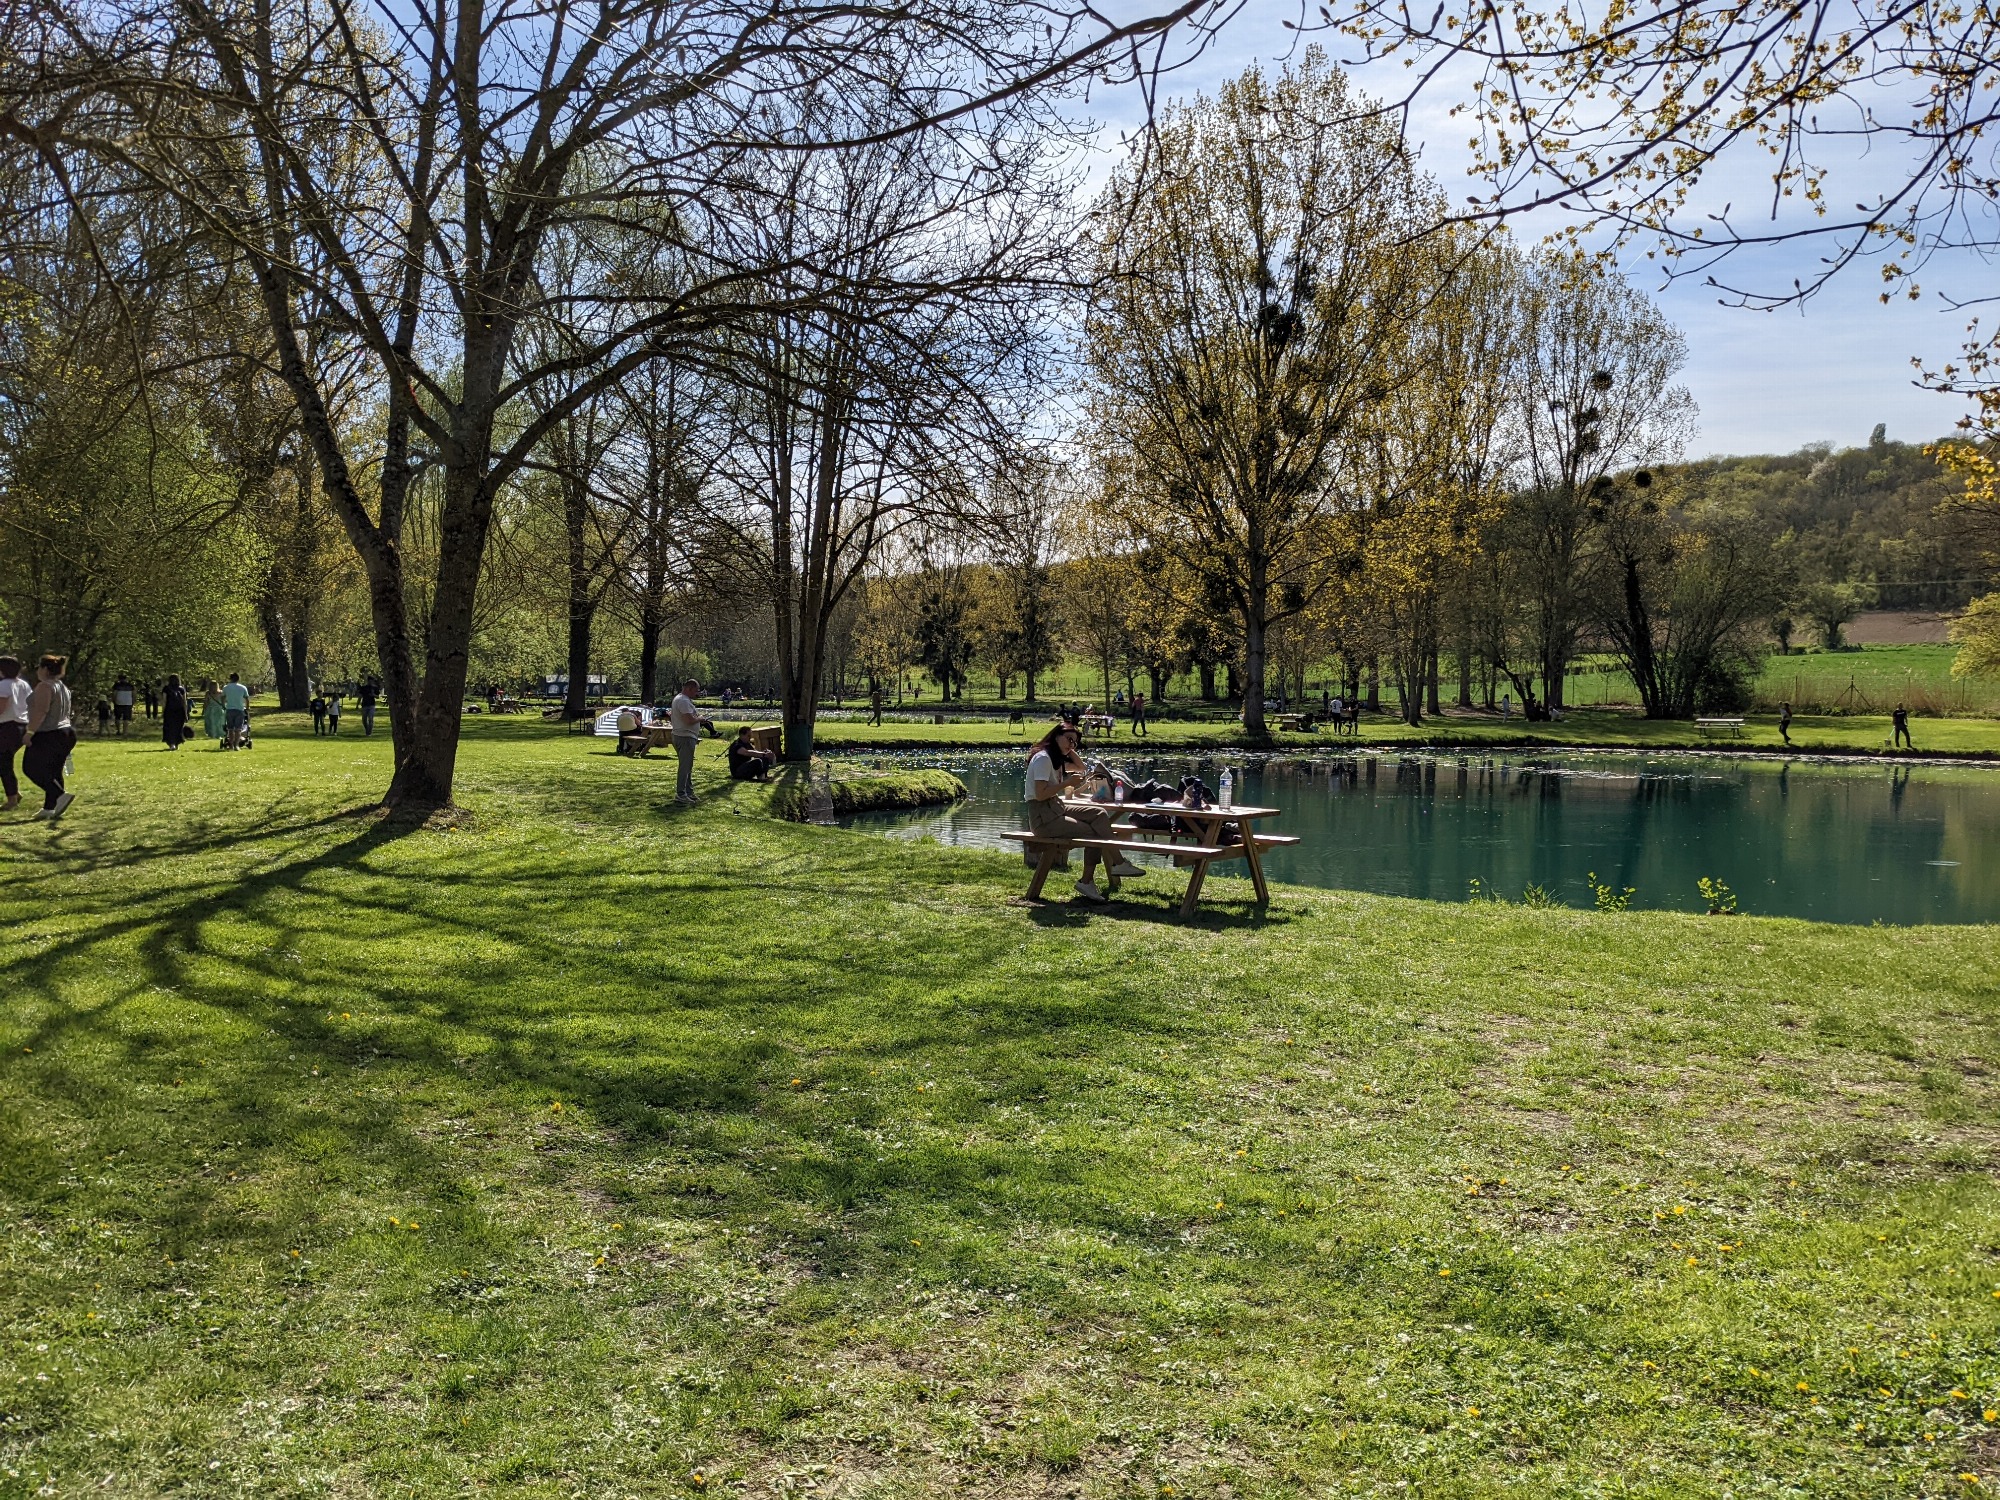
10	666
173	679
742	730
232	677
53	665
1047	742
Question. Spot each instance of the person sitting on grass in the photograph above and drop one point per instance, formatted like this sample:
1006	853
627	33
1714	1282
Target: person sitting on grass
1055	767
746	761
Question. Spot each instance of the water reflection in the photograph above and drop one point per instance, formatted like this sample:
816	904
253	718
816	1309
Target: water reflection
1840	843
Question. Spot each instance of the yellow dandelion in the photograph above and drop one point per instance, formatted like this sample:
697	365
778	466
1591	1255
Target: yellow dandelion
1991	1415
1445	1272
1959	1394
1803	1386
1472	1411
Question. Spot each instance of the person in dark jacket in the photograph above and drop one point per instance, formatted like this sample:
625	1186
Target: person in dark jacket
174	712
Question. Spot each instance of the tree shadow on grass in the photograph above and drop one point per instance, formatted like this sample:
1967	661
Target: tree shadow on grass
509	982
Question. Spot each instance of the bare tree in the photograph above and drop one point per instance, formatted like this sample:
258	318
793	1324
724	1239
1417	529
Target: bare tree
400	172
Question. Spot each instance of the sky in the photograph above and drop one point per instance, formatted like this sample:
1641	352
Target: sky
1765	382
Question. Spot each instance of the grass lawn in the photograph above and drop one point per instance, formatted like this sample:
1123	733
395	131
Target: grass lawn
593	1147
1860	734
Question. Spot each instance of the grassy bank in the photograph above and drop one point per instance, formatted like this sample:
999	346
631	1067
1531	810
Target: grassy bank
1861	734
592	1146
852	789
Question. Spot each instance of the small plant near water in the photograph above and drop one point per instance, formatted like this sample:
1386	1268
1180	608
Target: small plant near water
1720	898
1610	897
1538	897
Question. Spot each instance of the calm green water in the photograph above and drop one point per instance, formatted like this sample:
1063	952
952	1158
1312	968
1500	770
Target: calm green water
1836	843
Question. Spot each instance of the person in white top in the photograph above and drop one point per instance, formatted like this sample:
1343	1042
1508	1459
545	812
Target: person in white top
684	727
1056	768
13	727
51	736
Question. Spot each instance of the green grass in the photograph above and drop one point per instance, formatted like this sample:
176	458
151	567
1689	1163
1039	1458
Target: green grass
1835	734
586	1146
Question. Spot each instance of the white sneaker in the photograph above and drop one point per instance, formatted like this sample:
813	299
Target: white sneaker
1086	890
1126	870
40	813
62	805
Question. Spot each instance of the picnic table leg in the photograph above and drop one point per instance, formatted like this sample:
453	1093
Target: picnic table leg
1042	867
1255	861
1195	878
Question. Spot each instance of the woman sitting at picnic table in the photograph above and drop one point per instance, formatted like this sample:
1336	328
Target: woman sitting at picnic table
1055	767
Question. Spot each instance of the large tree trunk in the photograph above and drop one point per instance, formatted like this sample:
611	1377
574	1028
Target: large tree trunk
1253	662
582	604
281	658
1431	702
1205	670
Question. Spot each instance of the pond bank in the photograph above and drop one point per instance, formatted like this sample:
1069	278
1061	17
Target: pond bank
855	791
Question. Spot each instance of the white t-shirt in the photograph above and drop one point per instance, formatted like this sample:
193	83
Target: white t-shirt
1041	767
122	696
14	694
684	718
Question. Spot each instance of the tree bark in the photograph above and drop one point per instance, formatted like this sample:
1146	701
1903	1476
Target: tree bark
281	660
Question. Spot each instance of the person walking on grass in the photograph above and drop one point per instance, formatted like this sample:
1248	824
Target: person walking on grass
367	694
1899	731
875	704
1785	722
1138	714
684	727
334	700
174	712
211	710
14	693
50	737
1055	768
235	712
123	695
316	706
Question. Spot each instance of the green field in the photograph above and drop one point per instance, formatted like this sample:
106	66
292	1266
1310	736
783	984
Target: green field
580	1145
1866	680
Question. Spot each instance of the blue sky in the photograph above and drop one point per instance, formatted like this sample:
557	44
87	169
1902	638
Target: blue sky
1766	382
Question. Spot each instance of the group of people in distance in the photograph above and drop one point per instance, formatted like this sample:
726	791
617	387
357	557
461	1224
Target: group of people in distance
685	723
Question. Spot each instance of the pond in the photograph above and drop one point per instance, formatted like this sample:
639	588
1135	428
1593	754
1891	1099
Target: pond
1857	843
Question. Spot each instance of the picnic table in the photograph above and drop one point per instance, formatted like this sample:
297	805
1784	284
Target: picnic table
1194	851
1096	723
1711	727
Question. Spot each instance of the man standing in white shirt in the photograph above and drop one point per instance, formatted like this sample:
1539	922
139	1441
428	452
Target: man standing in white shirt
14	692
684	727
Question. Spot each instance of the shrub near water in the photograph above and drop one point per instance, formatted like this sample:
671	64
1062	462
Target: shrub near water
589	1144
855	791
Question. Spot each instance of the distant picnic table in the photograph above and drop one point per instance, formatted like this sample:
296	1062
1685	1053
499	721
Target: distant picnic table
1713	726
1195	845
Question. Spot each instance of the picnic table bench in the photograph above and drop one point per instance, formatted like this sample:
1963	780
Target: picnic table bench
1195	854
1096	723
1711	727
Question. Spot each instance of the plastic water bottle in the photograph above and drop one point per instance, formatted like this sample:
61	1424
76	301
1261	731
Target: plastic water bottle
1117	791
1226	790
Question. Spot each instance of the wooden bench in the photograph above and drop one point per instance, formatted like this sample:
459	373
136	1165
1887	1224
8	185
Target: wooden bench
1196	857
767	737
1711	727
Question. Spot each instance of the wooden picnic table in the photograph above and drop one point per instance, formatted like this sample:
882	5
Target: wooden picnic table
1196	855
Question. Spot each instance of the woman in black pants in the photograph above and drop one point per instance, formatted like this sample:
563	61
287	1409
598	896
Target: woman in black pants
51	737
